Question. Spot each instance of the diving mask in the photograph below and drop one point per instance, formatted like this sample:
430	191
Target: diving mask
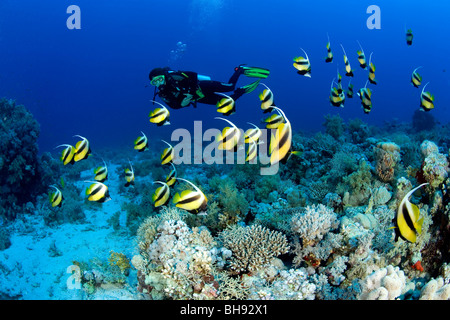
157	80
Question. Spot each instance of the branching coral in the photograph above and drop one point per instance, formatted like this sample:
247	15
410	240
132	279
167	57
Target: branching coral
253	246
312	225
315	242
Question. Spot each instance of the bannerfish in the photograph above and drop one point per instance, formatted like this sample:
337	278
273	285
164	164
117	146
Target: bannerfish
372	79
303	65
82	149
426	99
361	57
252	133
129	175
171	178
416	78
192	201
167	154
409	37
141	143
160	116
161	195
348	68
350	90
366	98
101	173
225	105
97	192
329	57
266	98
408	223
67	155
281	142
56	197
229	138
273	121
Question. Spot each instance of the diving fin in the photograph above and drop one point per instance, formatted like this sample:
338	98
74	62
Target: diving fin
255	72
250	87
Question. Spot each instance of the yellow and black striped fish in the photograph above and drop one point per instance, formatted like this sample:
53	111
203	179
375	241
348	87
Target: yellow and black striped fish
129	175
101	173
372	71
252	133
350	91
409	37
361	57
416	79
337	95
426	99
193	201
229	138
366	98
266	98
281	142
303	65
408	223
67	155
82	149
141	143
56	197
97	192
273	121
225	105
160	116
168	154
329	57
252	150
171	178
348	68
337	99
161	195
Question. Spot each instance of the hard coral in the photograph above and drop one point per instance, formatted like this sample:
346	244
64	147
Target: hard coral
387	156
384	284
253	246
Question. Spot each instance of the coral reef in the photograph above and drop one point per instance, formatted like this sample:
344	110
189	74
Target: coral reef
19	165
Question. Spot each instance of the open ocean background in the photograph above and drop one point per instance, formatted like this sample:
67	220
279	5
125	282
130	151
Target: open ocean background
93	81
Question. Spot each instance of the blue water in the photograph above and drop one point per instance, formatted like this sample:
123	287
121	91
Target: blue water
93	81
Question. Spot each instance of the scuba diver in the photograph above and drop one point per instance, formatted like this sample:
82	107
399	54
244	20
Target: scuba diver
179	89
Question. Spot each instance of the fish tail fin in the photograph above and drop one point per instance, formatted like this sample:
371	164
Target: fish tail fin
176	198
418	225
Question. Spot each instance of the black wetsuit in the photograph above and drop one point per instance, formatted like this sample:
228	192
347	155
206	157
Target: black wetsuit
179	83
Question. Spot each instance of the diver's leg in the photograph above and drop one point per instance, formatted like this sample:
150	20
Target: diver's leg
234	78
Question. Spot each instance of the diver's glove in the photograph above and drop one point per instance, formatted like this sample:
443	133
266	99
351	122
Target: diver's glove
187	100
